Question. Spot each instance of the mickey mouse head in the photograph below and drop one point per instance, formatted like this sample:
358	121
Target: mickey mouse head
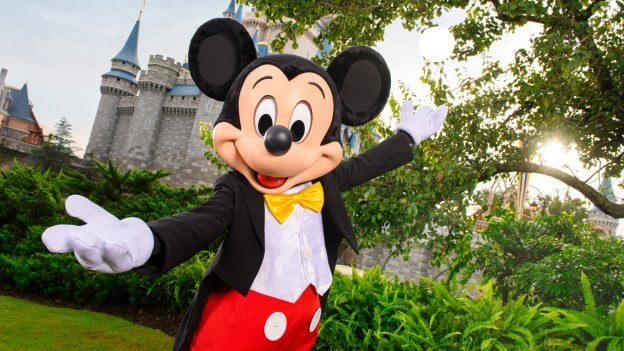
280	122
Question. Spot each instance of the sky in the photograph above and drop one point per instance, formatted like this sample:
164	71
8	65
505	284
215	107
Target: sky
61	48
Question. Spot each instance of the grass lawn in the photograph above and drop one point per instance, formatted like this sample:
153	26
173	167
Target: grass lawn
28	326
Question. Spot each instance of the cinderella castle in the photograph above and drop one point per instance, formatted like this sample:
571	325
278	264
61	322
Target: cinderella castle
150	119
602	221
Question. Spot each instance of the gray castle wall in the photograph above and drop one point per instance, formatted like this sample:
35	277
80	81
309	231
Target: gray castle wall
144	129
103	132
175	132
147	128
104	126
417	264
145	124
120	142
198	168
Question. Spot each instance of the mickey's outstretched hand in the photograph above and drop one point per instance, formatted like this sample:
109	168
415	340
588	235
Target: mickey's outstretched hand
104	244
423	123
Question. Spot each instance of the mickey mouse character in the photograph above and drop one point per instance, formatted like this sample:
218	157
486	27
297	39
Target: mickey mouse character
280	208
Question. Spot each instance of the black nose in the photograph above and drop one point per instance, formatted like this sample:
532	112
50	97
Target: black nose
277	140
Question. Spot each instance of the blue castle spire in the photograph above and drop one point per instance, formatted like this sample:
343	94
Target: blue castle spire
129	51
327	47
230	9
19	106
239	14
606	188
254	38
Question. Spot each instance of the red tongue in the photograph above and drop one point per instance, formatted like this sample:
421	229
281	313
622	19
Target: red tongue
270	182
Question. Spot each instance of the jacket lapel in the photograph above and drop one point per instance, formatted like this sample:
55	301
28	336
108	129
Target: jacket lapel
335	208
255	207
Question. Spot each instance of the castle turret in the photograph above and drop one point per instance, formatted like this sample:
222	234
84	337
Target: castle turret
326	47
118	82
138	149
600	219
239	14
3	90
254	39
19	106
229	12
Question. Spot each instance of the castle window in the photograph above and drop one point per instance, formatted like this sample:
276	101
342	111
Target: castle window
194	98
171	98
183	98
118	79
123	62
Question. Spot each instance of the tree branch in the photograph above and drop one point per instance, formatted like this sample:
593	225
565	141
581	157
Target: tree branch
589	11
616	159
612	209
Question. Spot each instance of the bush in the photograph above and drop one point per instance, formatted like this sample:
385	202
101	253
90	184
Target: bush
59	275
543	258
372	313
32	200
555	278
361	312
28	195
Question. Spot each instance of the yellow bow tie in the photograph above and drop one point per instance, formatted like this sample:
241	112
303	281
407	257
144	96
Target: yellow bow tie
282	205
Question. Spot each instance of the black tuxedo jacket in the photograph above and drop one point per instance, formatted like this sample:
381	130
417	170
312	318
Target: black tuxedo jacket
236	210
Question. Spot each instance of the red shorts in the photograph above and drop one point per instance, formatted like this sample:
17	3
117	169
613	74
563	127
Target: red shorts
257	322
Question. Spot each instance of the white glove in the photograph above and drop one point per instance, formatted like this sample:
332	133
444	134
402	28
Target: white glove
104	244
423	123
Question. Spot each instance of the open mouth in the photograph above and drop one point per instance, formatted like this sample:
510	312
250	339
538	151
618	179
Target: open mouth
270	182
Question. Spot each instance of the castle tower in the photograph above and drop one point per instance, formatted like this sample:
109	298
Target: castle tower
144	126
178	111
3	94
600	219
229	12
239	14
120	81
152	119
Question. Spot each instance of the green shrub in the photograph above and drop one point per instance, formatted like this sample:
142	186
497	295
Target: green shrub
7	238
32	200
28	195
31	244
542	259
555	278
361	312
59	275
588	328
371	313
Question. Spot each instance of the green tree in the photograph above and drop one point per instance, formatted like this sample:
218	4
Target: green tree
543	258
57	150
554	205
567	83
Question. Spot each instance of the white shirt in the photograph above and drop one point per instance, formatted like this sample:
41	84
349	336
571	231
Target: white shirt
294	254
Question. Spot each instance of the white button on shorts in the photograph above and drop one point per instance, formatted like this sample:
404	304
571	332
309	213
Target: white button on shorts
275	326
315	320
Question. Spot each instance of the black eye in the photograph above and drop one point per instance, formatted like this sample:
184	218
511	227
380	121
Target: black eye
297	130
300	121
265	115
264	123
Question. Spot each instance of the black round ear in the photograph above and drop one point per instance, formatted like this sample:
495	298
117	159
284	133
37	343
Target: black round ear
218	52
363	81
